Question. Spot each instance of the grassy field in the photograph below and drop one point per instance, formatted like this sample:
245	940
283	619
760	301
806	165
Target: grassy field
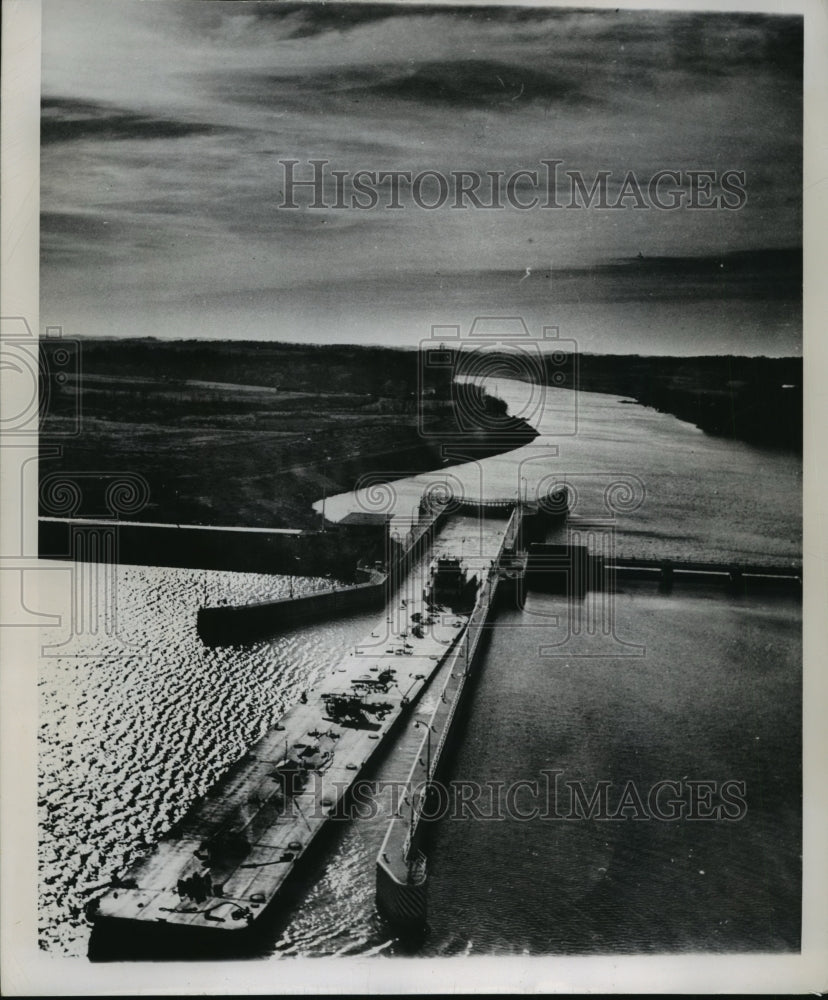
252	434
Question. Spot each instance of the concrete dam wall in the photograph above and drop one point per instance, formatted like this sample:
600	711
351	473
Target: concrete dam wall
291	552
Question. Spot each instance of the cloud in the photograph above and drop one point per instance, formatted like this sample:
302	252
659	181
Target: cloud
739	275
464	84
476	83
303	20
65	120
62	232
756	275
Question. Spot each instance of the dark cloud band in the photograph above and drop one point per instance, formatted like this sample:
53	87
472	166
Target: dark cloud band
65	120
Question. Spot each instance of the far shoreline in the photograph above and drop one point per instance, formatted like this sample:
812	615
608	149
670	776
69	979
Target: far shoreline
255	433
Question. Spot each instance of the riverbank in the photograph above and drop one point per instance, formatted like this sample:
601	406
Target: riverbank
253	433
757	400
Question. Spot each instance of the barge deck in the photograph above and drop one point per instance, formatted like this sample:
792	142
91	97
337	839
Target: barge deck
223	864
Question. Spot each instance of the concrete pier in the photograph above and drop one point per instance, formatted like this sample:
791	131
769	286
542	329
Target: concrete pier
402	867
247	622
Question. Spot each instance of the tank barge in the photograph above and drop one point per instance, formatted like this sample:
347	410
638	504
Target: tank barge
209	881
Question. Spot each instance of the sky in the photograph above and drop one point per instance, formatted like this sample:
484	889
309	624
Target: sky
166	123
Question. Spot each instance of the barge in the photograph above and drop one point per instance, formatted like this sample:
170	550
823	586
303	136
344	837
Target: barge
213	885
212	878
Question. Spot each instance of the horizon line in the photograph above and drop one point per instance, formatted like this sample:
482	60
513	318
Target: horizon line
544	347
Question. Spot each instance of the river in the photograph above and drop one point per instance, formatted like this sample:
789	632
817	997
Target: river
694	686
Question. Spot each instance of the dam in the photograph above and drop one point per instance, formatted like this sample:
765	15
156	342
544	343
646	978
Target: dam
215	879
